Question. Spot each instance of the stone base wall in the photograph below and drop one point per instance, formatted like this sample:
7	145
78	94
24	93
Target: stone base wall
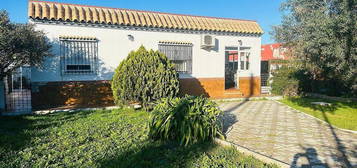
99	93
71	94
214	87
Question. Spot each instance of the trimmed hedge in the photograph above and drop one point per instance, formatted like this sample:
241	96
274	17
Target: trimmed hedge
144	77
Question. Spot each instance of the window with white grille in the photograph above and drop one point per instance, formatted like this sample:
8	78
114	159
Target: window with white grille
180	54
244	58
79	55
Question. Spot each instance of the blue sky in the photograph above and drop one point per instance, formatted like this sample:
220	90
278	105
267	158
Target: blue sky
266	12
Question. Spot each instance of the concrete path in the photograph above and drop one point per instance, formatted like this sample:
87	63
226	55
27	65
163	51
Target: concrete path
277	131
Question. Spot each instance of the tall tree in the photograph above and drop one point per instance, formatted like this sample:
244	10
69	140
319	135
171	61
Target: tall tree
323	34
20	44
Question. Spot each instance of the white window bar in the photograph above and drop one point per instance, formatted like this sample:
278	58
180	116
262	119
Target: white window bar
180	54
79	55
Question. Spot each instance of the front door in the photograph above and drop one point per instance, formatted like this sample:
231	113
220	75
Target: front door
231	67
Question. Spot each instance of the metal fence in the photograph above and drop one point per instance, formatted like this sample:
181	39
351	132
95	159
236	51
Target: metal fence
18	92
264	79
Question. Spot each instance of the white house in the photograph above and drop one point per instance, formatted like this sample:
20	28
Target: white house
218	57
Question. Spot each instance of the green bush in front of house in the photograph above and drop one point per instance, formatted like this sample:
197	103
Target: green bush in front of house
284	82
186	120
144	77
292	79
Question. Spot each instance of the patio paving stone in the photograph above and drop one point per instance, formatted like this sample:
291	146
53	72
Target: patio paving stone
275	130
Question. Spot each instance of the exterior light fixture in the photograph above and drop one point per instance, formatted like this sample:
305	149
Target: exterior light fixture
130	37
240	42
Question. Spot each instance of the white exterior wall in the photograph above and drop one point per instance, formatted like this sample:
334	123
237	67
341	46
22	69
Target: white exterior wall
114	46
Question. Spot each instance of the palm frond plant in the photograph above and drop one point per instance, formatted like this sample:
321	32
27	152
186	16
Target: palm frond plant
186	120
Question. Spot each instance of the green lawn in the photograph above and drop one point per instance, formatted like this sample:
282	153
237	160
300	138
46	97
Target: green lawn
340	114
116	138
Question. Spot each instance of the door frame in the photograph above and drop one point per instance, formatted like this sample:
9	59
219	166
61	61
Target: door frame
232	48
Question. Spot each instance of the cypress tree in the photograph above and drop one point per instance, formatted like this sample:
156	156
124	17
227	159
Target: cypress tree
144	77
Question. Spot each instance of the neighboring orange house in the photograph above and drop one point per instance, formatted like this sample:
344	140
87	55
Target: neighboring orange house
274	51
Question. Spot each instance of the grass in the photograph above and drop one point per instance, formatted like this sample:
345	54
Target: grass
339	114
116	138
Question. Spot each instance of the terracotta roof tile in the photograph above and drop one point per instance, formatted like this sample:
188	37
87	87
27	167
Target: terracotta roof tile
147	18
142	19
120	18
91	14
153	20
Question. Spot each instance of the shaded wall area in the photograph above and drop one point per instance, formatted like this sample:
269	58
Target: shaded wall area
71	94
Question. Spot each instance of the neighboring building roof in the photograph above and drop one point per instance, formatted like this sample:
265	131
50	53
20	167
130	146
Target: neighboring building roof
272	52
91	14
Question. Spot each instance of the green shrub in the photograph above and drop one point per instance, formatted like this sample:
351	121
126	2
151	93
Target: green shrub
284	82
186	120
294	78
144	77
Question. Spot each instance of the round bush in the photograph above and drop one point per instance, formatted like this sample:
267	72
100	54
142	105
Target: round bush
144	77
187	120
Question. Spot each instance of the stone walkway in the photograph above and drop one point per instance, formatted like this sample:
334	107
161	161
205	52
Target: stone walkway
279	132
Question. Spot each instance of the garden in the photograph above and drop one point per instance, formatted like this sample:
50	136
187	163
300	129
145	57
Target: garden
295	83
321	41
340	114
163	130
154	126
115	138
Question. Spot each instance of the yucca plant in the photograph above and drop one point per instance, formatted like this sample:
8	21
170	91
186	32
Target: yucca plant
187	120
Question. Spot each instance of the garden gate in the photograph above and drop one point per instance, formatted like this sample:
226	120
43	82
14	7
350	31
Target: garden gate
18	92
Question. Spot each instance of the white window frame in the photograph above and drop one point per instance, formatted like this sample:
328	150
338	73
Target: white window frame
244	60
